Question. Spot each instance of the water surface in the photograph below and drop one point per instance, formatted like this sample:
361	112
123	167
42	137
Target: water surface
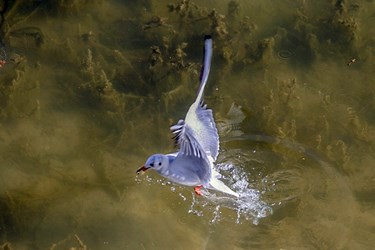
89	91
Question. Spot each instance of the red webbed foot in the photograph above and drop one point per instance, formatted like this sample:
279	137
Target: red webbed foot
197	190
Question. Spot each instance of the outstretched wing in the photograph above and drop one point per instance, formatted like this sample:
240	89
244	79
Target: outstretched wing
186	140
191	160
197	135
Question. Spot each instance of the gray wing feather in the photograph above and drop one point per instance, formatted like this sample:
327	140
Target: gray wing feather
198	140
185	138
208	135
191	159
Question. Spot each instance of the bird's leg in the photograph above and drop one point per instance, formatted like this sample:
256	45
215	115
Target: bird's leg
197	190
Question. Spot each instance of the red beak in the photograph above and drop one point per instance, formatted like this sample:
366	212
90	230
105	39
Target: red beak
143	168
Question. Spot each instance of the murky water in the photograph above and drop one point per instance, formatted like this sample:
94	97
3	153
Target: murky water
89	90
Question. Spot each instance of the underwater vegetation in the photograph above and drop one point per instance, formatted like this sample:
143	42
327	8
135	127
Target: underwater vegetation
83	81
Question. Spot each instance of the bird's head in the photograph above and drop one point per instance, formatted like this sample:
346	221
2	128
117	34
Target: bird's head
156	162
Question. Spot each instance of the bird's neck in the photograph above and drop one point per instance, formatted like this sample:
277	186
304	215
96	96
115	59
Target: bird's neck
171	157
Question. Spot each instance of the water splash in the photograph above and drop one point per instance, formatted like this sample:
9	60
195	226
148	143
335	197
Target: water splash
248	207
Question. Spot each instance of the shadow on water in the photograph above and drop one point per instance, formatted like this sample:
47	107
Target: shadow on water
88	90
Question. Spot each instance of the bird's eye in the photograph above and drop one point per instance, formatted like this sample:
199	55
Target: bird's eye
151	164
159	163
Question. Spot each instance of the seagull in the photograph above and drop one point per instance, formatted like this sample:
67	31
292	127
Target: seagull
198	142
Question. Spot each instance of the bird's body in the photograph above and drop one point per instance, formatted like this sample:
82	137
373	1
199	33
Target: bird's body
198	141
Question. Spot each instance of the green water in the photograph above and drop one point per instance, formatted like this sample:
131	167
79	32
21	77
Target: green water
90	88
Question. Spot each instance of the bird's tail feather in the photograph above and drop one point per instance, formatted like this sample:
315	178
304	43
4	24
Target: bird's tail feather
220	186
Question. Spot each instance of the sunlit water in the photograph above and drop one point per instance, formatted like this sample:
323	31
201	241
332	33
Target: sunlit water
88	91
